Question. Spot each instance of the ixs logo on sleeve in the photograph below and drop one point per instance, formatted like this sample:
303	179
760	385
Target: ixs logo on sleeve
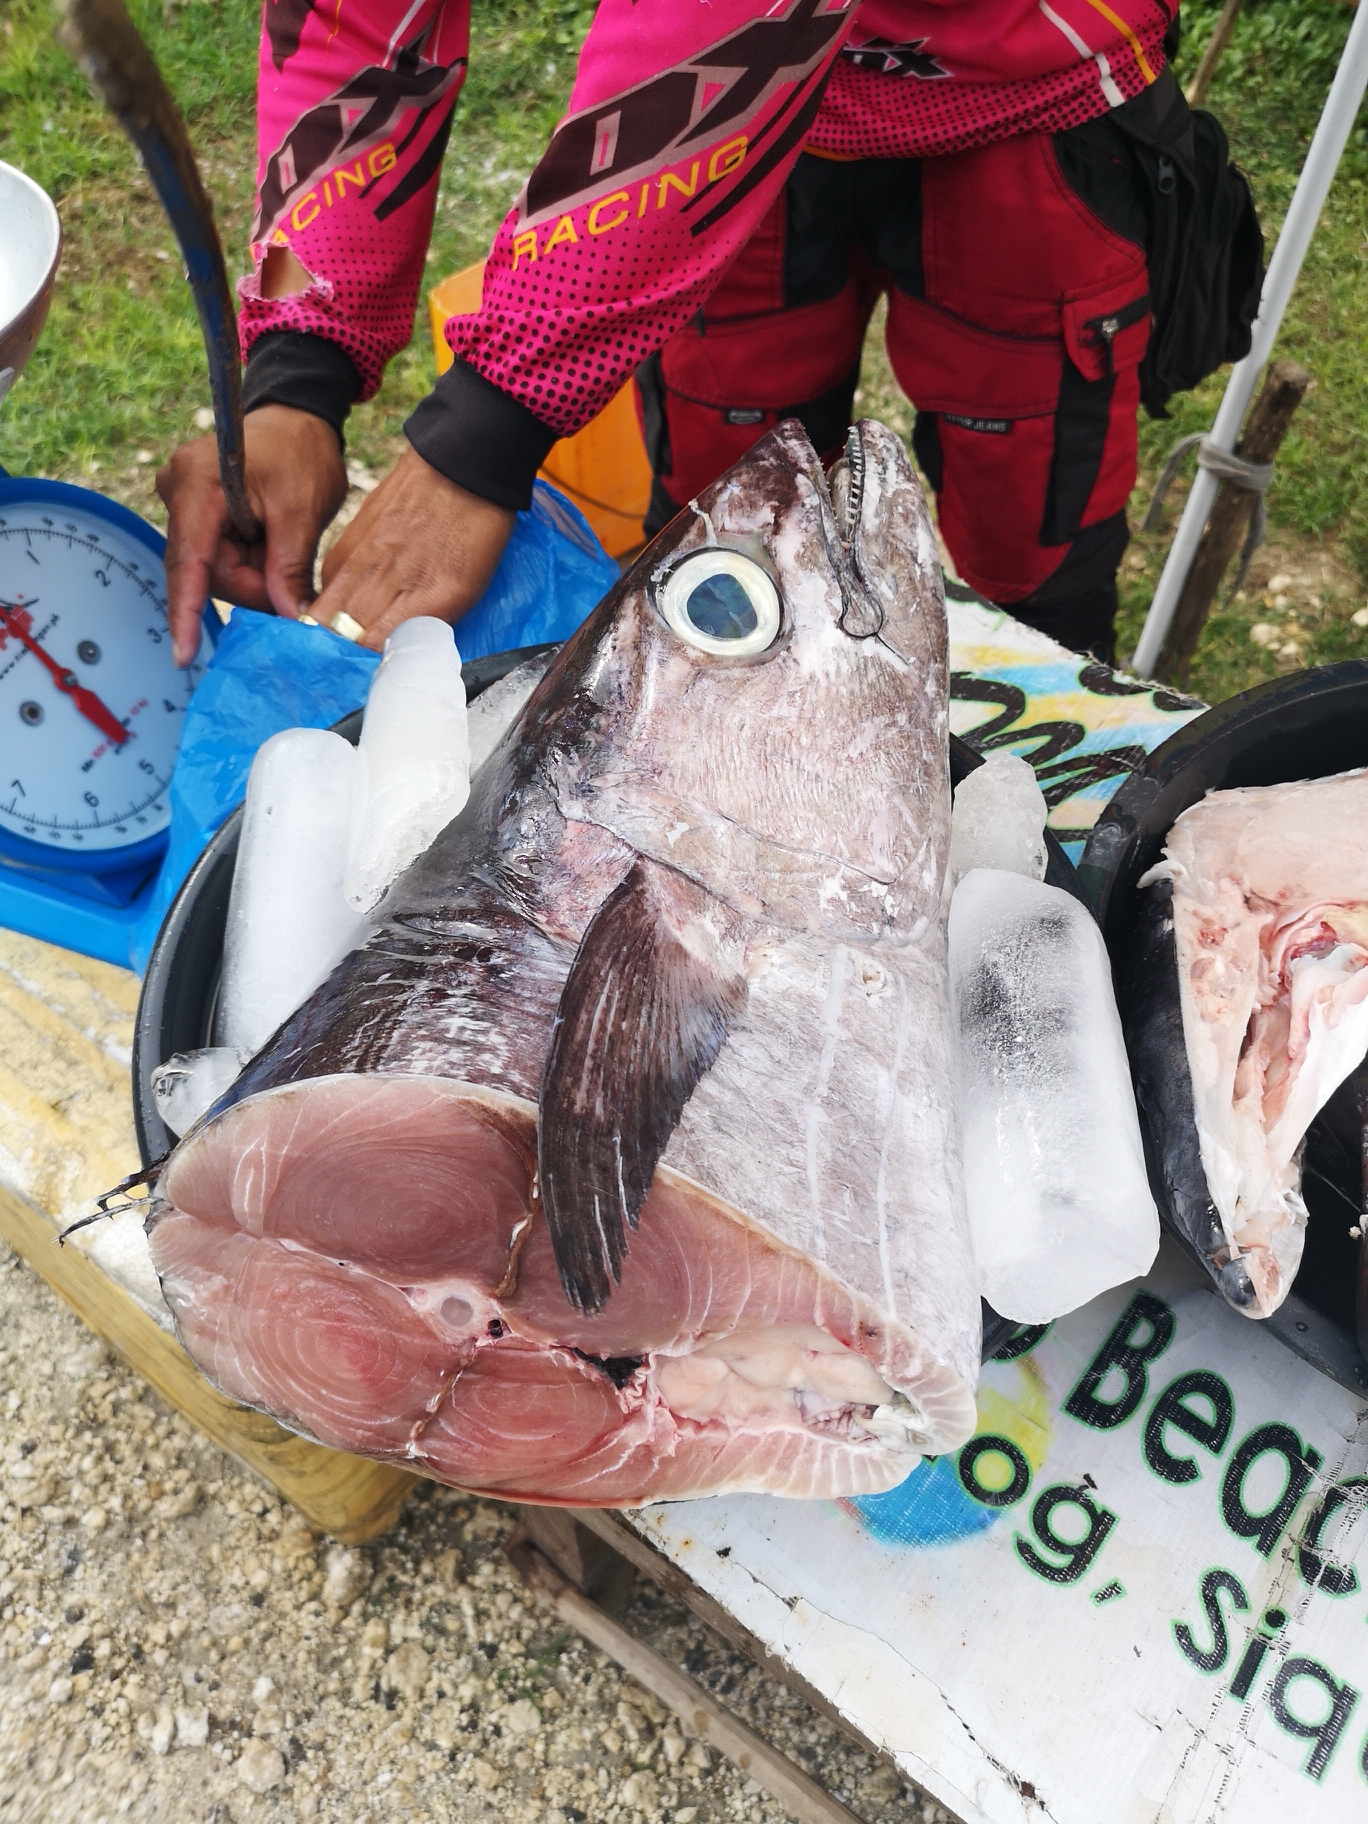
747	100
345	145
886	58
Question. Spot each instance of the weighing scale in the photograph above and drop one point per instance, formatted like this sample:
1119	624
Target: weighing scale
91	701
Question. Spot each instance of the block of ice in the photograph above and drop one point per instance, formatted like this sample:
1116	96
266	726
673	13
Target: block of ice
494	711
999	819
288	922
192	1081
413	772
1059	1203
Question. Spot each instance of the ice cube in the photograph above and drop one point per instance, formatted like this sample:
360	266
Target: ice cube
413	774
999	819
1059	1202
288	923
495	710
192	1081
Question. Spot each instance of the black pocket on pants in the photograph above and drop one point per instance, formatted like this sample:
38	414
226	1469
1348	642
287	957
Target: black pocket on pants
926	447
1081	423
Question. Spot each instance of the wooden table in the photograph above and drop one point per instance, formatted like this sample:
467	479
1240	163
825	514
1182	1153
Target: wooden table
1139	1594
66	1134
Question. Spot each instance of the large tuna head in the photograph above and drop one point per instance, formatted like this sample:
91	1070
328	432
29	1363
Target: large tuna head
728	788
767	689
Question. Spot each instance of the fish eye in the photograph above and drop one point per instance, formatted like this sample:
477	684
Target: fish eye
721	602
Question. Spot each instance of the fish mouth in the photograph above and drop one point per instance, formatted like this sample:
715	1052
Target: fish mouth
845	488
862	617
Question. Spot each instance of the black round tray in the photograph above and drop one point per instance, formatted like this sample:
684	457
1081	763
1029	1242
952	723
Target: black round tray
1304	726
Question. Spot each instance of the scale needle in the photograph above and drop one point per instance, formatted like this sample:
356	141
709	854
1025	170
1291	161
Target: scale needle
85	700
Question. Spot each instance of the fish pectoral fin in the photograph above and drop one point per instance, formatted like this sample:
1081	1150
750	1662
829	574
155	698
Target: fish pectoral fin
643	1014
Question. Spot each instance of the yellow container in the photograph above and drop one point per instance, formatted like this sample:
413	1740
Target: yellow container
602	468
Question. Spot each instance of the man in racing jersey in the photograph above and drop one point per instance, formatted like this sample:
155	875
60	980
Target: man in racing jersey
733	186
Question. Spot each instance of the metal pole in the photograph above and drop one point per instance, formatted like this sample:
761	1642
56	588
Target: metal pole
1336	123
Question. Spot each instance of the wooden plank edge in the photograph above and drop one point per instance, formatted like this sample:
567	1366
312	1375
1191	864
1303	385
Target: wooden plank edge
350	1498
615	1530
701	1713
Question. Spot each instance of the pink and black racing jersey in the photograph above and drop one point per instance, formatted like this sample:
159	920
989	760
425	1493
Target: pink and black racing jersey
683	125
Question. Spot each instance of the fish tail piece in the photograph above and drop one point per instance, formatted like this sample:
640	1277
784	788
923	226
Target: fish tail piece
147	1176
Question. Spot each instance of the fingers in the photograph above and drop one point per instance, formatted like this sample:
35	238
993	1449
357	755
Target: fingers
302	457
189	485
419	545
290	547
296	481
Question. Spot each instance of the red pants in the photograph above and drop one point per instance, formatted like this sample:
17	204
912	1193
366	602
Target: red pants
1017	320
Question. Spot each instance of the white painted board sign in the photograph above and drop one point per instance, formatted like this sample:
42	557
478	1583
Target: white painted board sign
1133	1597
1139	1595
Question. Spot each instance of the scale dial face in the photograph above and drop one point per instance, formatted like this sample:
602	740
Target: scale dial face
83	579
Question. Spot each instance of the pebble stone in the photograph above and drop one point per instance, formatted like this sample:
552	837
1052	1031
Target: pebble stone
210	1659
259	1768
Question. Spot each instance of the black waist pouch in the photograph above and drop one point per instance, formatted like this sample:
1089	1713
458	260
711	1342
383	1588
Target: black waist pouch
1160	173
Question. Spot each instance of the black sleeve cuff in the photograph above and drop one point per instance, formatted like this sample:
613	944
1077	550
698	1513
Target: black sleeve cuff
308	372
479	438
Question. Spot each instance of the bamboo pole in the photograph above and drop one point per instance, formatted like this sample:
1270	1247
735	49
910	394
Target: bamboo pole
1211	56
700	1712
1268	424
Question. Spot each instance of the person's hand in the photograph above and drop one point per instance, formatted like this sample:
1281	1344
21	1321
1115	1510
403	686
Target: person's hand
419	545
296	481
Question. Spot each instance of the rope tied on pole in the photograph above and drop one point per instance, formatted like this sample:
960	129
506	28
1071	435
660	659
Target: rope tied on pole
1313	186
1252	476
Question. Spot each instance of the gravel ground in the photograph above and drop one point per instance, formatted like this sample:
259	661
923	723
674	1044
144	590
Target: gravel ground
177	1645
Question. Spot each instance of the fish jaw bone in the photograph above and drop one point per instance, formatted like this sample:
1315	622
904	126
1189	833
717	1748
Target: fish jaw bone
328	1313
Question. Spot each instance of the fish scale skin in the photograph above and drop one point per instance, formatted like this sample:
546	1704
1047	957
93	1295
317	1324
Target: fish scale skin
867	1128
749	805
812	1182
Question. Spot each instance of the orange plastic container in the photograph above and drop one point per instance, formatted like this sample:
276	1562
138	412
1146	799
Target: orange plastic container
602	468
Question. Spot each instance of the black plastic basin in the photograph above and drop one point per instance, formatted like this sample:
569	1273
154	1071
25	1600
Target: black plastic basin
1306	726
180	988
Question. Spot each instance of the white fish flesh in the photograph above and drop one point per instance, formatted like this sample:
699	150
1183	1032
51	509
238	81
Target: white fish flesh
1269	919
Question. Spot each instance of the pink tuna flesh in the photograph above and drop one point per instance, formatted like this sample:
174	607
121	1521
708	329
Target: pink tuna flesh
363	1257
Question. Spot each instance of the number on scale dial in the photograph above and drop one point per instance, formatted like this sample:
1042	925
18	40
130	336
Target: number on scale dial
91	702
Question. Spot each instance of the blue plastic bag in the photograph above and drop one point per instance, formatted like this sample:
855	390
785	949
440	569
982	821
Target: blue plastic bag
553	572
269	674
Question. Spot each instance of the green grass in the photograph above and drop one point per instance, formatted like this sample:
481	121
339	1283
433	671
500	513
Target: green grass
119	376
1268	92
121	364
